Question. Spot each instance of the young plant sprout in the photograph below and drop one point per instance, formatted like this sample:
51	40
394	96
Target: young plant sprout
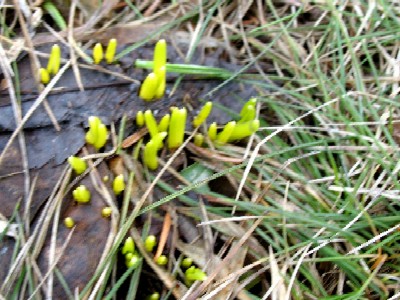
151	123
150	150
164	123
223	136
44	76
133	260
162	260
154	296
243	130
177	126
98	53
106	212
69	222
203	114
162	82
129	246
149	87
97	134
81	194
248	112
212	131
154	84
118	184
187	262
110	51
192	274
140	118
198	139
150	242
54	62
77	164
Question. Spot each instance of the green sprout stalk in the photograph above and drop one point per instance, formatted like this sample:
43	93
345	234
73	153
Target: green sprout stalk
203	114
160	55
110	51
77	164
162	82
177	126
98	53
81	194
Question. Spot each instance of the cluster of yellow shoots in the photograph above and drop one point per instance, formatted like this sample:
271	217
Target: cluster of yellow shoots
54	61
132	259
173	126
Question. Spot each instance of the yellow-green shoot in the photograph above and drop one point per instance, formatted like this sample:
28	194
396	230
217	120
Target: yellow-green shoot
177	124
118	184
54	62
151	123
98	53
203	114
110	51
248	112
77	164
81	194
128	247
97	134
224	135
212	131
244	130
150	158
150	242
44	76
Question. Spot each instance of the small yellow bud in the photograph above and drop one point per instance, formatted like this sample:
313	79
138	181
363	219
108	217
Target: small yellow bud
203	114
164	123
187	262
106	212
162	260
78	164
69	222
224	135
248	111
193	274
212	131
81	194
118	184
110	52
154	296
133	262
149	87
129	246
151	123
97	134
150	243
140	118
54	62
97	53
106	178
198	139
177	124
44	76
